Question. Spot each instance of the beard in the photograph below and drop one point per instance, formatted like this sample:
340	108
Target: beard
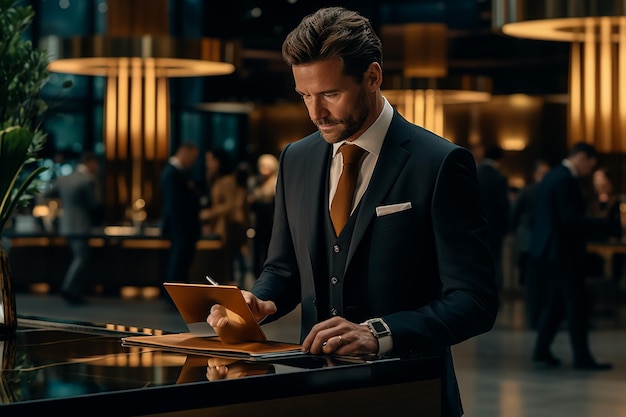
345	128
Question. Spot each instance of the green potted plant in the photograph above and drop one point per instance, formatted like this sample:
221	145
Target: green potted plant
23	73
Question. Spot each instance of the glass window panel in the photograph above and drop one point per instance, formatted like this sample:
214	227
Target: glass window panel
67	132
64	18
80	87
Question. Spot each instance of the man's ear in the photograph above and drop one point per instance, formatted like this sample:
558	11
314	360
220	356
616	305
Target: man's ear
373	77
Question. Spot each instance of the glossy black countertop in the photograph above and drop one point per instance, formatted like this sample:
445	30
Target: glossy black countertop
56	366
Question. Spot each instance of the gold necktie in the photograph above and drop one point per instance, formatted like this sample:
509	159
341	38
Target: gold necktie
342	201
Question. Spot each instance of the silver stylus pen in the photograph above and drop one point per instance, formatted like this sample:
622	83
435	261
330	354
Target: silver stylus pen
211	280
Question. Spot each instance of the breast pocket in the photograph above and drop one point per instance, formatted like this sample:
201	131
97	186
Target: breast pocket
393	218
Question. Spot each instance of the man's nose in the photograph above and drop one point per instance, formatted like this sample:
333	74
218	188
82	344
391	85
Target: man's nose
317	110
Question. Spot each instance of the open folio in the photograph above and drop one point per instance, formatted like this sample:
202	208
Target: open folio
194	302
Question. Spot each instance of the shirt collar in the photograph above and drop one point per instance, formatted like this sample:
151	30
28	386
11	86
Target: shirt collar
568	164
176	162
372	139
488	161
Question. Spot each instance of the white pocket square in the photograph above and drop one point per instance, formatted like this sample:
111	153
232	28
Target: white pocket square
392	208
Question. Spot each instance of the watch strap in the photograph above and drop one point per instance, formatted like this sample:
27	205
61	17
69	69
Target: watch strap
385	341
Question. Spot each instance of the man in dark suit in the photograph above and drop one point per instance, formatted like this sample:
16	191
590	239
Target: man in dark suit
521	225
81	202
181	222
558	246
410	273
494	191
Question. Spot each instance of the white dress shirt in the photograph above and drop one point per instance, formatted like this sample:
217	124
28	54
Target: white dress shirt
372	141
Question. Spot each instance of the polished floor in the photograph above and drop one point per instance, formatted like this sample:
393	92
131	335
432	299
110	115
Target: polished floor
495	374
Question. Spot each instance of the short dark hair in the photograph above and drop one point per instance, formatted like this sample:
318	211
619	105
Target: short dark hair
224	159
585	148
494	152
188	145
334	32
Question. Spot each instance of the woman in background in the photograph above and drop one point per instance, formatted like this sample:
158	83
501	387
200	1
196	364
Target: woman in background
605	203
226	216
262	208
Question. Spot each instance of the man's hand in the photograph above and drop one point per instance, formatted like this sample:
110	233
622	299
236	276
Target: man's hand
340	336
221	368
219	316
227	324
218	368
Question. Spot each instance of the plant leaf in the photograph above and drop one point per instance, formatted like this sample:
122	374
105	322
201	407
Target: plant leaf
15	145
15	198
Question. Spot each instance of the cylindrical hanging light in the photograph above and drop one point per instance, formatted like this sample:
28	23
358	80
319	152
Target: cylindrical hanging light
597	77
418	49
138	57
416	78
423	102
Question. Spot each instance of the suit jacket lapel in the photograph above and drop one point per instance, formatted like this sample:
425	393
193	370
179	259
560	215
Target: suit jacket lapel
391	160
316	181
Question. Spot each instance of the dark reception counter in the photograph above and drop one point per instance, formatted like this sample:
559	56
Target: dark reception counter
64	368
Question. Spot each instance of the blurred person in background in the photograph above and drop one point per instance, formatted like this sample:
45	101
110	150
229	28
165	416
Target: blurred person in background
558	246
239	224
605	203
181	206
81	204
226	216
220	183
494	192
261	200
521	226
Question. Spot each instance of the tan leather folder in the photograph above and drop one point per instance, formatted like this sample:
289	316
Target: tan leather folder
213	346
194	301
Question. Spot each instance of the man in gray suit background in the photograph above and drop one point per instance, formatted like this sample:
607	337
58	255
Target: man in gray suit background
81	204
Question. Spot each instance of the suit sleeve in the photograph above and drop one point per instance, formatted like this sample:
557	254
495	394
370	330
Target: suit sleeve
468	301
280	280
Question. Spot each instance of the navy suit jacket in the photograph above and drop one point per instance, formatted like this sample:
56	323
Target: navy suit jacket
560	224
426	271
494	190
180	206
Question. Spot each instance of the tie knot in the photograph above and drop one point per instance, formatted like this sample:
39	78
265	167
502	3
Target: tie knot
351	154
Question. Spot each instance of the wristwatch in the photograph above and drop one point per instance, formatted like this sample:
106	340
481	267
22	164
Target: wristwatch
382	333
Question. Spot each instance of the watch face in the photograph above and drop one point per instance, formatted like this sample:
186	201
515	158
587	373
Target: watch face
378	327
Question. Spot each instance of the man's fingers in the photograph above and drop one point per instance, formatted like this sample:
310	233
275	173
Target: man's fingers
260	308
218	316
